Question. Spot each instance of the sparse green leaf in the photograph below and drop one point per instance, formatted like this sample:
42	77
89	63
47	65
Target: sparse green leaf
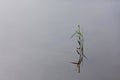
79	50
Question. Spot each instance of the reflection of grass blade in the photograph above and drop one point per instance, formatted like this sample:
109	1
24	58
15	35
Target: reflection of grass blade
78	68
77	52
82	52
84	56
79	43
74	63
73	34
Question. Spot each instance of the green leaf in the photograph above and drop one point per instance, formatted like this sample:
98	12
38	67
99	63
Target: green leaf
78	28
79	33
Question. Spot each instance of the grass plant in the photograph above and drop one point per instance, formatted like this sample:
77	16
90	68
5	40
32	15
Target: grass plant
80	48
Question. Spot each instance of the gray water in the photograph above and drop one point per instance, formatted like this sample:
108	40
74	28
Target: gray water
35	39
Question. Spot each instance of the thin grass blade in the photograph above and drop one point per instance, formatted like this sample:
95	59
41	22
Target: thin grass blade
73	34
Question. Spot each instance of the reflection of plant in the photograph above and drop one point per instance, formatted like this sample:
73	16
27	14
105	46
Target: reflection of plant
80	48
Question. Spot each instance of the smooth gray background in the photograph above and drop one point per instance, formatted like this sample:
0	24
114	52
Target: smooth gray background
35	39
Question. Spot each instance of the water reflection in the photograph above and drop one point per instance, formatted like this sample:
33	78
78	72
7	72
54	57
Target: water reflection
79	49
78	64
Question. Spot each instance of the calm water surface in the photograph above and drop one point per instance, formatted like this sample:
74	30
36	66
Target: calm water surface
35	39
